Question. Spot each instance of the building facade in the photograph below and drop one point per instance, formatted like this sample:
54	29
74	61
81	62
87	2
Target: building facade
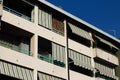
39	41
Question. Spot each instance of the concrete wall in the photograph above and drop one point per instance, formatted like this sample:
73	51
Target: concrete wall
106	56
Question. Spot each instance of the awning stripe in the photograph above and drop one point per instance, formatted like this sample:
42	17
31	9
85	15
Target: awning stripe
15	71
6	69
106	42
20	73
10	70
80	32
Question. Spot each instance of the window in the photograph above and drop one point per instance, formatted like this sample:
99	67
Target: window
51	52
44	49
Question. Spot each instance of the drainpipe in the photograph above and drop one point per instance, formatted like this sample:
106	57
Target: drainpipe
66	51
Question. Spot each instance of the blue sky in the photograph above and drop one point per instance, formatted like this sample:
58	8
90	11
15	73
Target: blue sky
104	14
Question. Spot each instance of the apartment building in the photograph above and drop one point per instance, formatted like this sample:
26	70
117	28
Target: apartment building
39	41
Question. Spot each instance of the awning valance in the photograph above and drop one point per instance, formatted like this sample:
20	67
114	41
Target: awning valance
80	32
15	71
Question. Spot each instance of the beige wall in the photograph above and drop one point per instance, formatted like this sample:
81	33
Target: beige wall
79	47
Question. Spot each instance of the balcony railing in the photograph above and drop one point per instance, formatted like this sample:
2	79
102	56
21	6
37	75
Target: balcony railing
14	47
58	31
16	13
50	60
44	58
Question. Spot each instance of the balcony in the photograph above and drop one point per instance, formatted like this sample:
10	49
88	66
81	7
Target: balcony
51	52
16	13
15	38
14	47
50	60
19	8
44	58
107	56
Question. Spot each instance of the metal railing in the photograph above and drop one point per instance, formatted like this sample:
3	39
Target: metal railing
14	47
16	13
44	58
58	31
50	60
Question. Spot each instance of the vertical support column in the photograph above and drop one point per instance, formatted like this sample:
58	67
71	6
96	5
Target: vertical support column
34	39
36	9
34	46
66	51
34	50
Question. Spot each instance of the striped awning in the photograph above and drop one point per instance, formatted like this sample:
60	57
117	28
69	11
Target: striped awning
80	60
106	71
15	71
80	32
42	76
106	42
58	52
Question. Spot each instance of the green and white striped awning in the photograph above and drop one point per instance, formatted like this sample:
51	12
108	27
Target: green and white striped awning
106	42
58	52
105	70
15	71
80	32
42	76
80	60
